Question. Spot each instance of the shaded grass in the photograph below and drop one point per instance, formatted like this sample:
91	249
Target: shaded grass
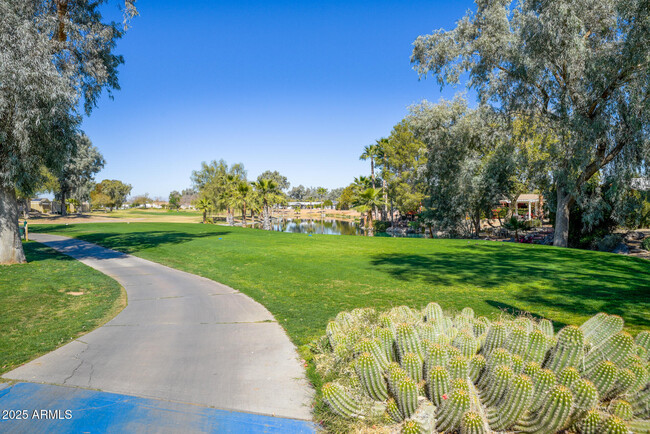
38	314
306	280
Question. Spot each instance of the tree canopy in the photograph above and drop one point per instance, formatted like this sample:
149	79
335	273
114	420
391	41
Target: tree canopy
57	55
580	68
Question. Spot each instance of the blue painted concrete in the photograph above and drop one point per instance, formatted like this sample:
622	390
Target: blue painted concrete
58	409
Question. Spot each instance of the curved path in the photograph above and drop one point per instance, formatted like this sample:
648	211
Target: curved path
182	338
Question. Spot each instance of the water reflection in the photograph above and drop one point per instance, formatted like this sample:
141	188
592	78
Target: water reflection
324	226
321	226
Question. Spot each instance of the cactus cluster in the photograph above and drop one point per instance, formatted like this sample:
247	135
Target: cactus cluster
431	372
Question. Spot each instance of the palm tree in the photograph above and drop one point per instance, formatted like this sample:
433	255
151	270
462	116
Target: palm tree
367	201
242	197
269	193
204	205
371	152
321	192
362	183
227	196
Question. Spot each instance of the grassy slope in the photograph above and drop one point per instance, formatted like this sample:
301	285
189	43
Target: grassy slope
305	281
37	314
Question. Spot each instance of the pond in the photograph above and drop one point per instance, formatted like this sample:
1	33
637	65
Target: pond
320	226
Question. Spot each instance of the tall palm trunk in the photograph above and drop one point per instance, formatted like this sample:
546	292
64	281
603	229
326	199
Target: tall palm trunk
205	215
243	215
11	247
369	226
266	218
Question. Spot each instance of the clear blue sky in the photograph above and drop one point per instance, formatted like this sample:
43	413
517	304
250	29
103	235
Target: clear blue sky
295	86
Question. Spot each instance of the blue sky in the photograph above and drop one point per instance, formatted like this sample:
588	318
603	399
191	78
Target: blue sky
295	86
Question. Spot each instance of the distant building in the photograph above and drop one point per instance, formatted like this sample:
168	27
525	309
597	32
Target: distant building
531	202
42	205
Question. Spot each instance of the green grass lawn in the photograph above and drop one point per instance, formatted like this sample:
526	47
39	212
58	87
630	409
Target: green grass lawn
305	281
38	312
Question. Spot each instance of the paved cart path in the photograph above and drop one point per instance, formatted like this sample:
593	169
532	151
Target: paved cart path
182	338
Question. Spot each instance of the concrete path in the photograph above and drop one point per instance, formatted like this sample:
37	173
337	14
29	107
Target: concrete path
182	338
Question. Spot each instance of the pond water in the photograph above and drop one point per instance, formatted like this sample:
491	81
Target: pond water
321	226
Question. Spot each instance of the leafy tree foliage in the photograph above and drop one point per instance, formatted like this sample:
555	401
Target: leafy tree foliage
141	200
403	162
368	200
174	200
580	68
270	195
347	197
75	178
110	193
56	55
217	182
281	181
465	174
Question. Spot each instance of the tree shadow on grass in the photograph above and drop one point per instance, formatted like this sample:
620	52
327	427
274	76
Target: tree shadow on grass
131	242
571	280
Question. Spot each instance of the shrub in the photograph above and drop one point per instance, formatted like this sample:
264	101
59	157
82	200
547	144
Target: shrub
645	244
381	225
422	371
609	242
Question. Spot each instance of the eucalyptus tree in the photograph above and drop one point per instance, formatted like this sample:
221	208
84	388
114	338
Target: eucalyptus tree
78	171
57	55
582	68
466	174
268	191
298	193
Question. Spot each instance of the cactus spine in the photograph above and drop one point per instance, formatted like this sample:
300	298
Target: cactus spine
407	340
407	396
613	425
340	401
452	409
514	404
433	313
370	376
438	384
505	376
553	414
392	409
473	423
412	364
476	367
568	351
604	376
496	336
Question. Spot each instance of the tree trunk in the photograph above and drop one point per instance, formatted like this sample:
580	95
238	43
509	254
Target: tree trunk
564	202
11	247
205	215
369	224
477	224
266	225
243	215
384	214
64	210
